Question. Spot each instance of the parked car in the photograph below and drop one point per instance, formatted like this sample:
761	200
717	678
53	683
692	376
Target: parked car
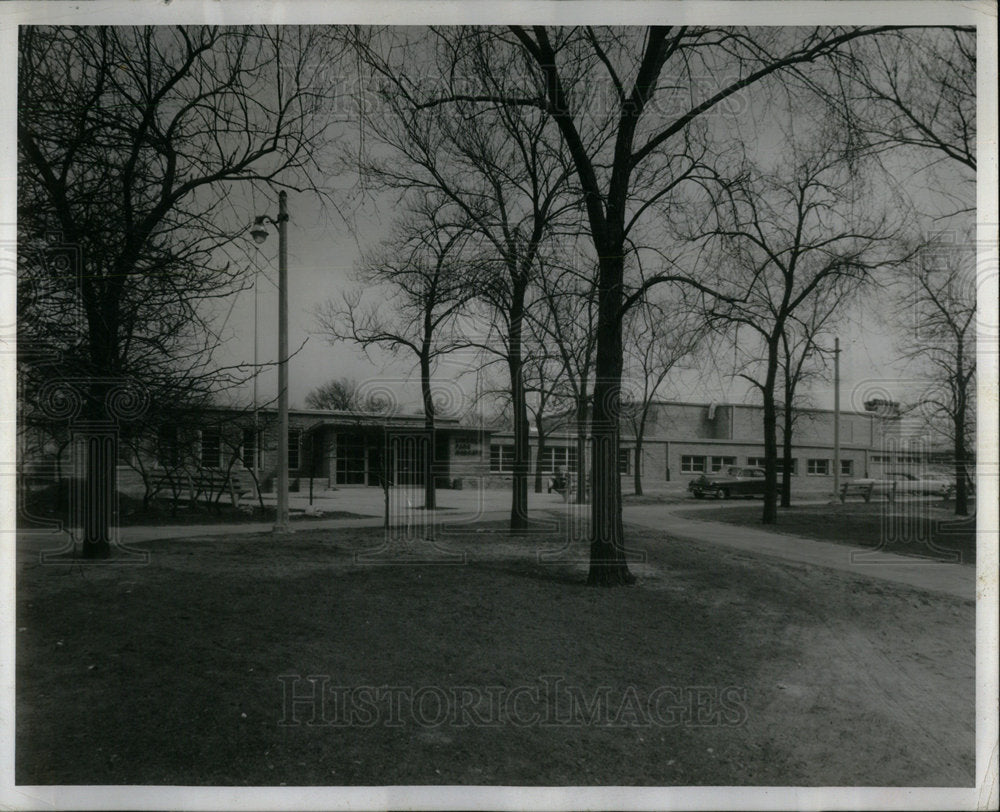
732	481
903	483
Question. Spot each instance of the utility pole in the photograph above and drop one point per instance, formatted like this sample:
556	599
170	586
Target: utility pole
281	520
836	417
256	372
259	234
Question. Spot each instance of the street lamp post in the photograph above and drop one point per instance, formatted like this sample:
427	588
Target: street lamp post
259	234
836	417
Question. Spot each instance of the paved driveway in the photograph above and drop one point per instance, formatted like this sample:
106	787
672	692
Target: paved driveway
935	576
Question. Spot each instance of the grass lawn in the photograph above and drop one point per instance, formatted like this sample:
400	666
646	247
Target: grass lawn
717	668
917	528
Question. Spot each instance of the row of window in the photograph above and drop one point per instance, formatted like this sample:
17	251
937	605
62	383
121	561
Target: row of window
553	459
211	455
696	464
211	452
898	458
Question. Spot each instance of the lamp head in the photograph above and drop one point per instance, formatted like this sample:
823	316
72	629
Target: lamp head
258	232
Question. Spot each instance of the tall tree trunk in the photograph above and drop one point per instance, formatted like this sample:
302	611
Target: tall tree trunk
770	439
522	450
539	487
786	442
961	463
97	438
637	473
608	566
430	491
581	447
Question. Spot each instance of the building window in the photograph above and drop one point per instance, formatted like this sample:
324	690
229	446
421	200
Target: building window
624	457
847	467
501	459
758	462
294	440
556	457
718	463
250	458
211	447
351	459
692	465
818	467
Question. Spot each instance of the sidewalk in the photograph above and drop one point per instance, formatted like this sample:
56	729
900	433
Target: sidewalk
471	505
958	580
494	505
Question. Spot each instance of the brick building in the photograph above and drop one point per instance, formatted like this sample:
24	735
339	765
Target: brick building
348	449
683	440
334	449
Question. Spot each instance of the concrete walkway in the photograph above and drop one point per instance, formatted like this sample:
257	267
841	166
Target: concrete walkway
494	505
958	580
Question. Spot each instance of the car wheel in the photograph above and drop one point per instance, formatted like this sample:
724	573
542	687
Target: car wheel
699	496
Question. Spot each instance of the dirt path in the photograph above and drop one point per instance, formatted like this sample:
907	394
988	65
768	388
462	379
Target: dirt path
904	690
905	682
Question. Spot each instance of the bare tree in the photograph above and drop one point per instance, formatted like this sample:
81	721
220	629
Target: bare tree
916	90
498	164
630	153
937	321
423	274
659	336
338	394
789	237
566	321
130	141
802	358
913	88
544	381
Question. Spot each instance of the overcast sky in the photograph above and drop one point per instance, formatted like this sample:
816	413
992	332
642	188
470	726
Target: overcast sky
323	252
326	240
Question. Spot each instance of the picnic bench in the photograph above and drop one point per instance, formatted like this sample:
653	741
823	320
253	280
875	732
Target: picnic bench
204	485
863	489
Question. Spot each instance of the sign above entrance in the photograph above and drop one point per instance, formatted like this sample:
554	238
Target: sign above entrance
466	448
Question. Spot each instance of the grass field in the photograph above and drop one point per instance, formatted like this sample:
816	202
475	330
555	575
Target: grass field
716	669
917	528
